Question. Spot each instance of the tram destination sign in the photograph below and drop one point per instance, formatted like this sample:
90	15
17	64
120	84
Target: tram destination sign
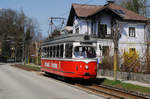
86	43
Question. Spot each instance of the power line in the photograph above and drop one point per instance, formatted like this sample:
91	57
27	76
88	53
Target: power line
51	23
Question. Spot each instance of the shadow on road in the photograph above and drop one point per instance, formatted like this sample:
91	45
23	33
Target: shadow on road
97	81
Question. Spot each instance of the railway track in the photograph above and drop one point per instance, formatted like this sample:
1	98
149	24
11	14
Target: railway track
109	92
102	93
125	93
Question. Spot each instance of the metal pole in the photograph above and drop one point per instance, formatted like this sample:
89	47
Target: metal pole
15	53
55	18
23	60
51	24
115	64
23	53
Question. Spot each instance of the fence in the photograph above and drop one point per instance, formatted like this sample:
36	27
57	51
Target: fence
126	75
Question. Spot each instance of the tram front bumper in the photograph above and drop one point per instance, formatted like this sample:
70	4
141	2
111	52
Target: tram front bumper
87	74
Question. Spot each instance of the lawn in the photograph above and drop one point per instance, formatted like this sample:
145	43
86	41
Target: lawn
27	67
127	86
36	68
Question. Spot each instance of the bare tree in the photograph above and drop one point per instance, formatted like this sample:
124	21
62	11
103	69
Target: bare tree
138	6
116	34
16	28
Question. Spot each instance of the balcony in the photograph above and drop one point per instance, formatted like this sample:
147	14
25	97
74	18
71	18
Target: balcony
102	36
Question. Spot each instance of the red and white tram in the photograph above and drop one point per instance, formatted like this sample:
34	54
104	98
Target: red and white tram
71	56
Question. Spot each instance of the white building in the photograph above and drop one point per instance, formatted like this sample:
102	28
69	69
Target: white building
97	21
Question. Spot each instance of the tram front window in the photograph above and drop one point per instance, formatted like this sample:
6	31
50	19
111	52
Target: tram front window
84	52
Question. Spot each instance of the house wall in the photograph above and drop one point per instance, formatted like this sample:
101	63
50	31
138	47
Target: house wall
105	19
86	25
137	42
125	43
76	24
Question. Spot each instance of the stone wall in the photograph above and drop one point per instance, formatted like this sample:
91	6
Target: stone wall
126	76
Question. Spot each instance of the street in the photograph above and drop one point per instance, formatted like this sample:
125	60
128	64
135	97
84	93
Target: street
19	84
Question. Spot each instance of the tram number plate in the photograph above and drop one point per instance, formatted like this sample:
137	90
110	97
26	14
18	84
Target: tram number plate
54	65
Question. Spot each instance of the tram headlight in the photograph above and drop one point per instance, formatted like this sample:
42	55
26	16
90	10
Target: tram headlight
86	67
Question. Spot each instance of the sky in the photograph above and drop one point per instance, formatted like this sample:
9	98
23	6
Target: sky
41	10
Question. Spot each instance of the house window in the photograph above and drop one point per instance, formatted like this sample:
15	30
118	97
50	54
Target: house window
132	31
92	32
94	28
102	29
132	50
77	29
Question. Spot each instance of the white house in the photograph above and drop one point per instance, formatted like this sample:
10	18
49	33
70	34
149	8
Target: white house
97	21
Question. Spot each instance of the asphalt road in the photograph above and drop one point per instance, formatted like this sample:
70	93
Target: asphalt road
19	84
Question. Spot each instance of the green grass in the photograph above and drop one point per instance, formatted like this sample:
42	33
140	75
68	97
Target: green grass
36	68
127	86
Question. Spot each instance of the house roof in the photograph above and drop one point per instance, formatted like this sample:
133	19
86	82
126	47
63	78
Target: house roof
128	15
85	11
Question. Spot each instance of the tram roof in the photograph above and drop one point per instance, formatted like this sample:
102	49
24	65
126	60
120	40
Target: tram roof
68	38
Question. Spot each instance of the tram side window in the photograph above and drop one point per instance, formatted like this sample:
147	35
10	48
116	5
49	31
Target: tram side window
47	52
57	51
43	52
68	50
51	51
61	50
84	52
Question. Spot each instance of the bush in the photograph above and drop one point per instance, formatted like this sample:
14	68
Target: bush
107	63
131	62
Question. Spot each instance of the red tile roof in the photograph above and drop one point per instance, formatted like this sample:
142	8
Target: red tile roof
129	15
83	10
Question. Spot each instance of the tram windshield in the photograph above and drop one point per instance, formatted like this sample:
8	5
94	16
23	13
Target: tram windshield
84	52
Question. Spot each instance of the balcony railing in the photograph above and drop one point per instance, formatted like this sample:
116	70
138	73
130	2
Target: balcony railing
100	36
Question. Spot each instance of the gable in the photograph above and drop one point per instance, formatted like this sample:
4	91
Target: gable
86	11
82	11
